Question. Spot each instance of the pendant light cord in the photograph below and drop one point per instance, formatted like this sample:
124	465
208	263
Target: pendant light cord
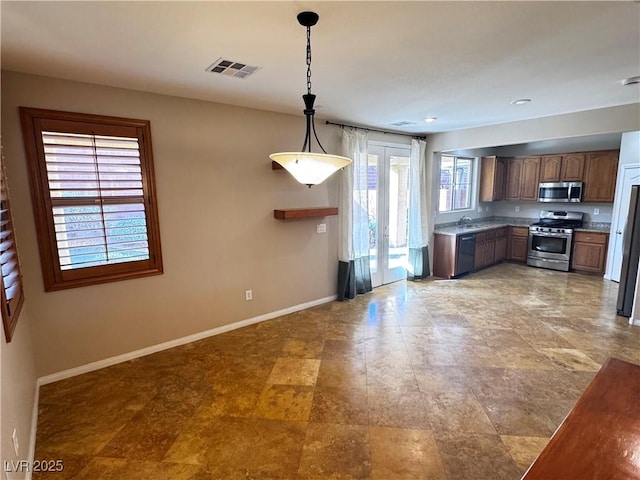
311	125
309	60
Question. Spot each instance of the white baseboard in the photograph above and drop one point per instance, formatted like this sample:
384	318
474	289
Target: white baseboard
90	367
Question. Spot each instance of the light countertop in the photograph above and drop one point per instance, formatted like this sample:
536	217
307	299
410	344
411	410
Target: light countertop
481	226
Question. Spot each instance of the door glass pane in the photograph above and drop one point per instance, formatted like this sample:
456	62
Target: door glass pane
398	211
372	209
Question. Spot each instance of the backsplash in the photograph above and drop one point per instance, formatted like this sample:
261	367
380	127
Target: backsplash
532	210
528	211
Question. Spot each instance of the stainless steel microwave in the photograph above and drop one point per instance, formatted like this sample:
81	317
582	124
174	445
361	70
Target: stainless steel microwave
560	192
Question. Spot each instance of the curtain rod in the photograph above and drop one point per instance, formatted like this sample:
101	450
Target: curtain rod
367	129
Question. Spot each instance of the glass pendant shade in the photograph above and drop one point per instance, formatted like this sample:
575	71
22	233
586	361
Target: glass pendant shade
310	168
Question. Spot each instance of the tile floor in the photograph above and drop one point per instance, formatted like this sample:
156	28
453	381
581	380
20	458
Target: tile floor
441	380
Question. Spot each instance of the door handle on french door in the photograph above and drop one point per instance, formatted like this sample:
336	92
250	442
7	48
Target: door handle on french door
618	232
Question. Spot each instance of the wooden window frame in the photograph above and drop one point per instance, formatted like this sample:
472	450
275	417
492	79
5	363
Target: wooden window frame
34	121
10	308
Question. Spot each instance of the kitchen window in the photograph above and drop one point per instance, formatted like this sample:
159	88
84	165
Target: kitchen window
456	174
93	193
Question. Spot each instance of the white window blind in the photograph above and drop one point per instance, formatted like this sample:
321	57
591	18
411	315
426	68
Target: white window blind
97	199
12	291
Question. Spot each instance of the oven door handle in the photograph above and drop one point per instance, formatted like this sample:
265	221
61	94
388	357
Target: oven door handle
554	235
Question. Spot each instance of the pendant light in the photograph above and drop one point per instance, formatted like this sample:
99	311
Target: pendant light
306	167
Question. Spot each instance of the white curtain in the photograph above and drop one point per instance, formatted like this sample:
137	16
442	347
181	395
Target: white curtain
419	208
354	274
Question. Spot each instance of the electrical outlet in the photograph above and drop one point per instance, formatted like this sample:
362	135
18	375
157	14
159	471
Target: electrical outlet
248	295
517	208
479	209
16	446
596	211
321	228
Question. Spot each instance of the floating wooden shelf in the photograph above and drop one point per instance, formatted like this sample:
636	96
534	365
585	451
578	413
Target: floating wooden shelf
276	166
300	213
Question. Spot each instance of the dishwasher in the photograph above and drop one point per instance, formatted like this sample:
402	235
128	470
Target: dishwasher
466	253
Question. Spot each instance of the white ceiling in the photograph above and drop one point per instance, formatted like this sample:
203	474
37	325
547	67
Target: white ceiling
374	63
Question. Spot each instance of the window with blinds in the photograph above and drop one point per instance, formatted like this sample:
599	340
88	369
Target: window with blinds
92	180
12	292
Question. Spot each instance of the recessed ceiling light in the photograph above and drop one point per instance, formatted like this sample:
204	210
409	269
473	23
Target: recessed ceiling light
631	81
520	101
430	119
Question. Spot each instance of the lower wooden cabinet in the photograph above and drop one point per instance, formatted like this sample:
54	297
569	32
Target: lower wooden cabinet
479	258
490	248
489	252
486	243
589	252
501	245
445	255
518	241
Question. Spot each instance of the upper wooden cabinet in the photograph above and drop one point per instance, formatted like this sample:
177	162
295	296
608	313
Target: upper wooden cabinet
572	168
530	178
562	168
523	176
514	174
518	178
601	169
492	177
550	168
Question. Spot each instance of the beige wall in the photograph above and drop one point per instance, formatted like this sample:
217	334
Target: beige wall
216	195
18	387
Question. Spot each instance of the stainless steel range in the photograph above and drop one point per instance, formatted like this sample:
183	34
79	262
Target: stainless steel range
550	239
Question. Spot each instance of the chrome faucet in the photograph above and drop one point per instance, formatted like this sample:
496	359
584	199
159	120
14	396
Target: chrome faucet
465	221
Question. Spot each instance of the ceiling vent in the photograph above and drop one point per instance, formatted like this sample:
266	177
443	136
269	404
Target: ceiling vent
403	123
231	68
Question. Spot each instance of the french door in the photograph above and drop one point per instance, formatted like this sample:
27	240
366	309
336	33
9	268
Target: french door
388	187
